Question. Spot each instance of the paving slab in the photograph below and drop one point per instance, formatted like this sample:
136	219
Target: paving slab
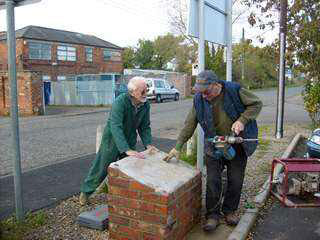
221	233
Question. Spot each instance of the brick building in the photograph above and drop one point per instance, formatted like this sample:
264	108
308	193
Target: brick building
57	53
54	55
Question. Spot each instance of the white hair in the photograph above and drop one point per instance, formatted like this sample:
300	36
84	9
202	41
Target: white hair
134	82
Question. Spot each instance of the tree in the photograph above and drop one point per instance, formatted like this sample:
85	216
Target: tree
144	54
218	64
128	57
185	55
165	49
303	36
303	40
260	65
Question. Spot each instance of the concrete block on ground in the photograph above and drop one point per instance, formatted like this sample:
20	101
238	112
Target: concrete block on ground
152	199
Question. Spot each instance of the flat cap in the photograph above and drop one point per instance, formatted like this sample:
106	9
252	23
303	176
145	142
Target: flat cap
204	79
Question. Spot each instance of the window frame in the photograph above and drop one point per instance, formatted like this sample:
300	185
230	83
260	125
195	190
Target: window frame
46	78
41	50
105	50
61	78
89	54
64	53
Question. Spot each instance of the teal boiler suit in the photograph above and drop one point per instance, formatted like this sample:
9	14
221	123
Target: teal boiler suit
119	136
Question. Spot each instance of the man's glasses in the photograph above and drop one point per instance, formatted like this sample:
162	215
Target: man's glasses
144	91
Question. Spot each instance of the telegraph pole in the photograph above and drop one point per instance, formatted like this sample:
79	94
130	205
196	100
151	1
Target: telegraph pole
282	67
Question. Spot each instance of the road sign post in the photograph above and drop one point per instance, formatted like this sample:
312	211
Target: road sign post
201	60
9	5
229	39
210	20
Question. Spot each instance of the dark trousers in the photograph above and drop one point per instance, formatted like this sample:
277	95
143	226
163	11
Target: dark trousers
235	175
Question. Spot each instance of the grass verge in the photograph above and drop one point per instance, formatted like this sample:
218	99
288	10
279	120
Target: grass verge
10	229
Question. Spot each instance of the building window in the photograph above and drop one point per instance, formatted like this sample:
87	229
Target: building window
40	51
89	54
111	55
67	53
46	78
61	78
107	54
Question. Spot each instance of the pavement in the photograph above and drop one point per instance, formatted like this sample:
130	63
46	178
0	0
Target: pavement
63	110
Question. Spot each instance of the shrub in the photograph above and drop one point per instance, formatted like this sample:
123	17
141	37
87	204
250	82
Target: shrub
311	97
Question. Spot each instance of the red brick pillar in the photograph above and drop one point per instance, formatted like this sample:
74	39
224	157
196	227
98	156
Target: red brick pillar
151	199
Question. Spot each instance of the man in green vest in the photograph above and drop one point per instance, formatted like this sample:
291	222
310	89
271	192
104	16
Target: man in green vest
129	113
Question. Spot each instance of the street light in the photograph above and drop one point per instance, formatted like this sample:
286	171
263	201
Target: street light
9	5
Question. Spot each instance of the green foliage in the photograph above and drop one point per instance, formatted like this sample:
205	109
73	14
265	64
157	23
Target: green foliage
260	65
311	97
192	159
128	57
218	64
303	35
214	60
186	54
12	230
249	205
165	49
144	54
156	54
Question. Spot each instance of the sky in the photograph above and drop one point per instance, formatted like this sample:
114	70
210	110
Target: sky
121	22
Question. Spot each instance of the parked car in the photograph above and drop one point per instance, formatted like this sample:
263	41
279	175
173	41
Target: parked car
159	90
120	88
313	144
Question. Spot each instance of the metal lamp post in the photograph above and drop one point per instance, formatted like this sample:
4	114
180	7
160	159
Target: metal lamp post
9	5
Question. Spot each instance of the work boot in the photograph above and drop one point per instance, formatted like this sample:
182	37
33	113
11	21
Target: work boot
231	219
83	199
211	224
103	188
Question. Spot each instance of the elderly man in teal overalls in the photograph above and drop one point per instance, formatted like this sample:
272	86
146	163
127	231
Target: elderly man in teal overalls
129	113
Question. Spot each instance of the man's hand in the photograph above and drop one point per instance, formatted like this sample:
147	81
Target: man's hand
135	154
172	153
237	127
152	149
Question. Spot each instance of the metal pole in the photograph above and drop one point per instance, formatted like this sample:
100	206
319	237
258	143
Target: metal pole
229	39
242	59
201	59
11	41
282	65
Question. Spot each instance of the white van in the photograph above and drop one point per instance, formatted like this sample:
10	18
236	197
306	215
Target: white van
160	89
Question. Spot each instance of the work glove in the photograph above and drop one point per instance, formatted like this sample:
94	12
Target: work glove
173	153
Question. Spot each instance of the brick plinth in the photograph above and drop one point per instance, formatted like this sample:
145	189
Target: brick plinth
151	199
